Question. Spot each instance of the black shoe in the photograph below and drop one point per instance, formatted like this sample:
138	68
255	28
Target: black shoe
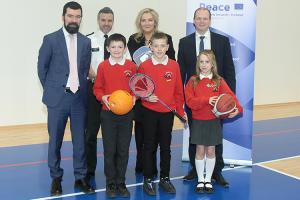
56	189
191	175
208	187
122	190
83	186
220	180
149	187
200	187
166	185
111	191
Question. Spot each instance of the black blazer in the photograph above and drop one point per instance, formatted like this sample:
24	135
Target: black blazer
134	45
220	45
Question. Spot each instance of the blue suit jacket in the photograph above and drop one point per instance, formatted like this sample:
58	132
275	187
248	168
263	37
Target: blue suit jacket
220	45
53	66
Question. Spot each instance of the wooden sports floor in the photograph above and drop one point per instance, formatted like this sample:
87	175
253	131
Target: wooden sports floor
275	173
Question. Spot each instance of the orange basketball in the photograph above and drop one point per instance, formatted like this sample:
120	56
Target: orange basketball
120	102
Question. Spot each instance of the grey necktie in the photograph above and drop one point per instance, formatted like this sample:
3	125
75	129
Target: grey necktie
201	46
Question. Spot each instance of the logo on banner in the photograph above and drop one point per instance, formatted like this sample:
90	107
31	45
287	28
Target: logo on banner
238	6
233	9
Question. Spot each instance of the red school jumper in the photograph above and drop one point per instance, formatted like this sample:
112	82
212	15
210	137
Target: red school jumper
168	85
113	77
197	98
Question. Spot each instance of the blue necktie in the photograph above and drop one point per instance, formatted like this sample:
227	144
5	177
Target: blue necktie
201	46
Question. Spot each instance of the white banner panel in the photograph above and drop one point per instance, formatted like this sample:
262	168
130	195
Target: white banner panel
236	20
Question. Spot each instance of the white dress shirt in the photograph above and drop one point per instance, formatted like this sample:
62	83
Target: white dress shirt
97	42
206	41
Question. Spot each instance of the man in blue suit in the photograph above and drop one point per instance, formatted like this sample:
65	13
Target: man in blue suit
63	65
189	48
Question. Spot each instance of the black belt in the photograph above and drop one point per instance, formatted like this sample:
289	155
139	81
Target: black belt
68	90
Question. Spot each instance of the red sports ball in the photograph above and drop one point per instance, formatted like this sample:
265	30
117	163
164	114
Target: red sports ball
120	102
224	105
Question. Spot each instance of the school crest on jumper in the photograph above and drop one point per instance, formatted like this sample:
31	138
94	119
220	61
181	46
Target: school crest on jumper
128	73
212	85
168	76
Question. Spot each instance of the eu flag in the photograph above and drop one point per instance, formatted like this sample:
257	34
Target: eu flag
238	6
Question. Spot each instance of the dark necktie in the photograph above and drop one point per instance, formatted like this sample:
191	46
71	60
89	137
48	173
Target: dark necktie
106	53
201	46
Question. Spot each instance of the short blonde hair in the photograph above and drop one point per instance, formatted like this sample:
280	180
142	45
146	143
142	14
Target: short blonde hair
155	16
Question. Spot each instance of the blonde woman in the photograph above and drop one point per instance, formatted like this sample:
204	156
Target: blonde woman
146	24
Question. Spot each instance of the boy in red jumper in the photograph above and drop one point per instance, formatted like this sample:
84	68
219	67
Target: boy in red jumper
114	74
157	119
201	93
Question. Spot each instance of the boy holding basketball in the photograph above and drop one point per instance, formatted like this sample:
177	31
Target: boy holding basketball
113	74
158	120
201	93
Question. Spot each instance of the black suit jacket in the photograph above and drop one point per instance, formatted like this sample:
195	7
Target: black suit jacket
220	45
133	45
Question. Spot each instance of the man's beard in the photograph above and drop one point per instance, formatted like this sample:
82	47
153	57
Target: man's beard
72	28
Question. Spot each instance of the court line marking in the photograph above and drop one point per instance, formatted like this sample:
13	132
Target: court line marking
261	164
279	159
266	133
176	131
280	172
180	177
99	154
128	186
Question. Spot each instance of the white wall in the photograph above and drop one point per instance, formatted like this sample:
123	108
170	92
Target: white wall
24	23
277	71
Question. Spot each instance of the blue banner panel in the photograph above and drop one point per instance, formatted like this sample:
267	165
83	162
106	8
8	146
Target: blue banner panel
236	20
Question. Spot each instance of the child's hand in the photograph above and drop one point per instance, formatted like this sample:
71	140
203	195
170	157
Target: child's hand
185	116
153	98
134	100
233	113
212	100
105	100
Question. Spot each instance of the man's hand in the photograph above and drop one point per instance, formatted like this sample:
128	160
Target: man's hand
92	74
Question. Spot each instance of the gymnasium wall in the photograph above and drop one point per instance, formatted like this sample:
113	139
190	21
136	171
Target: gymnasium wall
24	23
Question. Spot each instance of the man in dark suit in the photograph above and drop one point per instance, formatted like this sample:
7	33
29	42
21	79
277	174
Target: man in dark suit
189	48
63	66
